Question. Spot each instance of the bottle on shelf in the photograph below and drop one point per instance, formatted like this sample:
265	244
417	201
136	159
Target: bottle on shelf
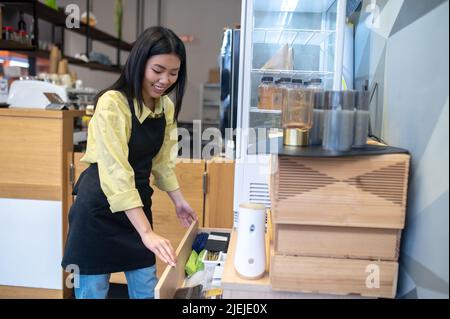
21	25
265	93
16	36
280	86
24	38
8	33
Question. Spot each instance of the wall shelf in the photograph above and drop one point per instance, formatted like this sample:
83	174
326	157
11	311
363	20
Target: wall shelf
74	61
14	45
94	65
58	18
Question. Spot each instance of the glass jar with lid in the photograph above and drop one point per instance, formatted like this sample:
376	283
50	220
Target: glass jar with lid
297	82
280	85
16	36
265	93
315	84
22	36
8	33
298	104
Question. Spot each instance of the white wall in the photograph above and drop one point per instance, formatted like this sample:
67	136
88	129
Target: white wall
75	43
204	19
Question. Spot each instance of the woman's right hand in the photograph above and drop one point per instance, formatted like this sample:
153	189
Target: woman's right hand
160	246
157	244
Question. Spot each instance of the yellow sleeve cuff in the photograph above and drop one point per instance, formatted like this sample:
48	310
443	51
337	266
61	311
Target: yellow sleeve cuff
124	201
167	184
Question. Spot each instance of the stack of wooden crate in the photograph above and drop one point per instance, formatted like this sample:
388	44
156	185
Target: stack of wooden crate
337	223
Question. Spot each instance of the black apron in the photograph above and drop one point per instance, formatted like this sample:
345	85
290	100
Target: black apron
99	241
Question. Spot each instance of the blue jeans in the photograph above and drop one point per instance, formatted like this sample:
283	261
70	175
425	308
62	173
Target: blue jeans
141	284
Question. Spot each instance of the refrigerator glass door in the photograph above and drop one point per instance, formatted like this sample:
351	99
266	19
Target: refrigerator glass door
229	81
294	39
225	80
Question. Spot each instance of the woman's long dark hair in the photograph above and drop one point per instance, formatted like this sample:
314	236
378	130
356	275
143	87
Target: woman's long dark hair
153	41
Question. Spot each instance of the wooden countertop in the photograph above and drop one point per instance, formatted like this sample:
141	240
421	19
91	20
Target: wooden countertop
230	278
40	113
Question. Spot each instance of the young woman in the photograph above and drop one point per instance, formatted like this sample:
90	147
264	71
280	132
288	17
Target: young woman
110	222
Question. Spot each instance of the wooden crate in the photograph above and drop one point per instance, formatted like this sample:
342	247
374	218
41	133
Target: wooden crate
335	221
334	275
359	191
340	242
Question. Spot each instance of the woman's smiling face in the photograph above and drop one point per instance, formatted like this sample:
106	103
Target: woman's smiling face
161	72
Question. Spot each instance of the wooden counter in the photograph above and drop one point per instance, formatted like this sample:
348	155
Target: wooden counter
34	148
36	152
32	113
37	171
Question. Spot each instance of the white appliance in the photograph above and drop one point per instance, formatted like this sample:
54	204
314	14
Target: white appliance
314	30
250	255
31	93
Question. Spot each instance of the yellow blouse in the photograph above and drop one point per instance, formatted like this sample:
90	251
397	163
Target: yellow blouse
107	145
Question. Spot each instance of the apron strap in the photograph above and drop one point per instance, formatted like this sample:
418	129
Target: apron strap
131	105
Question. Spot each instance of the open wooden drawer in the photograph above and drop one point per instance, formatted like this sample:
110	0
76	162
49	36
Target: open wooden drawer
173	277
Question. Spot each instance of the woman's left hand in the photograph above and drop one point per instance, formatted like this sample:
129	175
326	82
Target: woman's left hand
185	213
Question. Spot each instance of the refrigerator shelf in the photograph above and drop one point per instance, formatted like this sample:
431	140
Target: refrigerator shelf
256	110
290	36
320	74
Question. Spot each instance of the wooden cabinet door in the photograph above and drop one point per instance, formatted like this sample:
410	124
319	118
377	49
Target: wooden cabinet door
219	193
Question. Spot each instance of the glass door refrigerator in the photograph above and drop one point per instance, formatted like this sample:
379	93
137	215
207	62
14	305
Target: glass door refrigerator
229	83
281	40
